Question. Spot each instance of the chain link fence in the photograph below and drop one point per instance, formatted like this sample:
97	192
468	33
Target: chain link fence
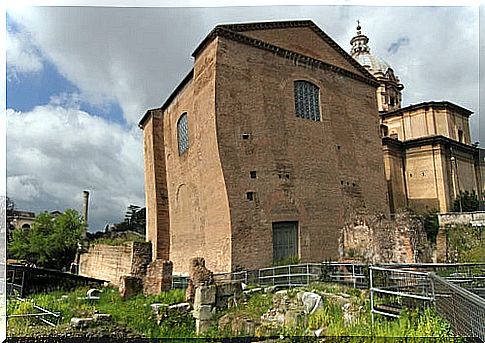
464	310
391	290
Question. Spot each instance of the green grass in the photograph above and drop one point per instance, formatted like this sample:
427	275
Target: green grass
134	313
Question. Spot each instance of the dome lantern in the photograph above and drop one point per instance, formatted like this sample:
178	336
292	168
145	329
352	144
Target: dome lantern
389	92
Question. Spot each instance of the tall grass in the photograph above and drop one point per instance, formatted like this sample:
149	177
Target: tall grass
135	313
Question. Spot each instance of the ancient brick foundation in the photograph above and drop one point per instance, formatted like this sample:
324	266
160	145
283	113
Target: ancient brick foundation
374	239
158	277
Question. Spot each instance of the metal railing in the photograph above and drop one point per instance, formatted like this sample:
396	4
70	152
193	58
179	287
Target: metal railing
41	315
392	289
464	310
290	275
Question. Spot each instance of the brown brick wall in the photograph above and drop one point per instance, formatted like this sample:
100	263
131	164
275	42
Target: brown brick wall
332	165
158	225
254	94
305	41
199	214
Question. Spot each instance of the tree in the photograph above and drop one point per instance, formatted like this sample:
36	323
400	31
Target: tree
466	202
135	219
10	216
52	241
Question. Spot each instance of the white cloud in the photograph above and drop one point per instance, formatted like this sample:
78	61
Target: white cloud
22	57
54	153
136	56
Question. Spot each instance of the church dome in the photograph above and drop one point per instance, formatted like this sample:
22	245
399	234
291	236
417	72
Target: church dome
374	64
389	91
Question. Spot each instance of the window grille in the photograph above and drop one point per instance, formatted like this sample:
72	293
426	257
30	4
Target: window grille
183	133
307	103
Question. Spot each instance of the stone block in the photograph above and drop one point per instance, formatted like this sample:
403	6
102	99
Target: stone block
205	295
93	292
81	322
203	312
181	307
228	289
130	286
157	307
202	326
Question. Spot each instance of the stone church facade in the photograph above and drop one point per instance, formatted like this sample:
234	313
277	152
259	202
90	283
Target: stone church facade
262	150
429	157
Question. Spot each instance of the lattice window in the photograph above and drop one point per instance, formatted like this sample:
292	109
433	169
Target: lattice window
307	103
183	133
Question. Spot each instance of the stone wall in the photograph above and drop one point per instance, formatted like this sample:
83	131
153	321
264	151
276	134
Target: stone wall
110	262
453	221
375	239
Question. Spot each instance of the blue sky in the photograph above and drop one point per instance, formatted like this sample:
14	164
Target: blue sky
80	78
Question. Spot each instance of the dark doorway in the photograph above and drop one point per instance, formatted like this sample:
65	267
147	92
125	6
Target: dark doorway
285	241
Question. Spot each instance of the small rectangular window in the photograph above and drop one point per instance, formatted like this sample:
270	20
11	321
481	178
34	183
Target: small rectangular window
252	174
246	136
250	196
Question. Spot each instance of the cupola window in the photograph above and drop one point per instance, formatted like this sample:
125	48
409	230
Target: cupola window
307	103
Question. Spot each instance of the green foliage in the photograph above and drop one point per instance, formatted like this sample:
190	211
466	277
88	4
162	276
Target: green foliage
466	202
431	225
256	305
135	220
134	313
126	238
466	244
51	242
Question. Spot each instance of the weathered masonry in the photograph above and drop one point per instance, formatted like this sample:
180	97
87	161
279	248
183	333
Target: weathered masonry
262	150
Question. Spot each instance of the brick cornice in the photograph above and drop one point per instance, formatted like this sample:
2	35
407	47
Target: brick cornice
285	53
297	23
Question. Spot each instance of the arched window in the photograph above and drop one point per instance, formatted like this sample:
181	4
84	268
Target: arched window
307	104
183	133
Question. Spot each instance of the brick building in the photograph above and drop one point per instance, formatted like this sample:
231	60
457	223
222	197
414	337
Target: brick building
429	157
262	150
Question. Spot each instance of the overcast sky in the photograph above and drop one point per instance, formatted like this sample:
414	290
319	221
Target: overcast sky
80	78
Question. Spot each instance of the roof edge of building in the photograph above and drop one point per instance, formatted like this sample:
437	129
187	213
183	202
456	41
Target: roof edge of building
169	99
440	139
225	30
436	104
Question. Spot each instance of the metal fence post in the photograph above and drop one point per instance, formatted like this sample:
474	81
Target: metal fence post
353	275
307	274
371	296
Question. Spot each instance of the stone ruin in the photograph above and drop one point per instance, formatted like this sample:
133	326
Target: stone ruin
152	280
372	238
207	296
199	276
